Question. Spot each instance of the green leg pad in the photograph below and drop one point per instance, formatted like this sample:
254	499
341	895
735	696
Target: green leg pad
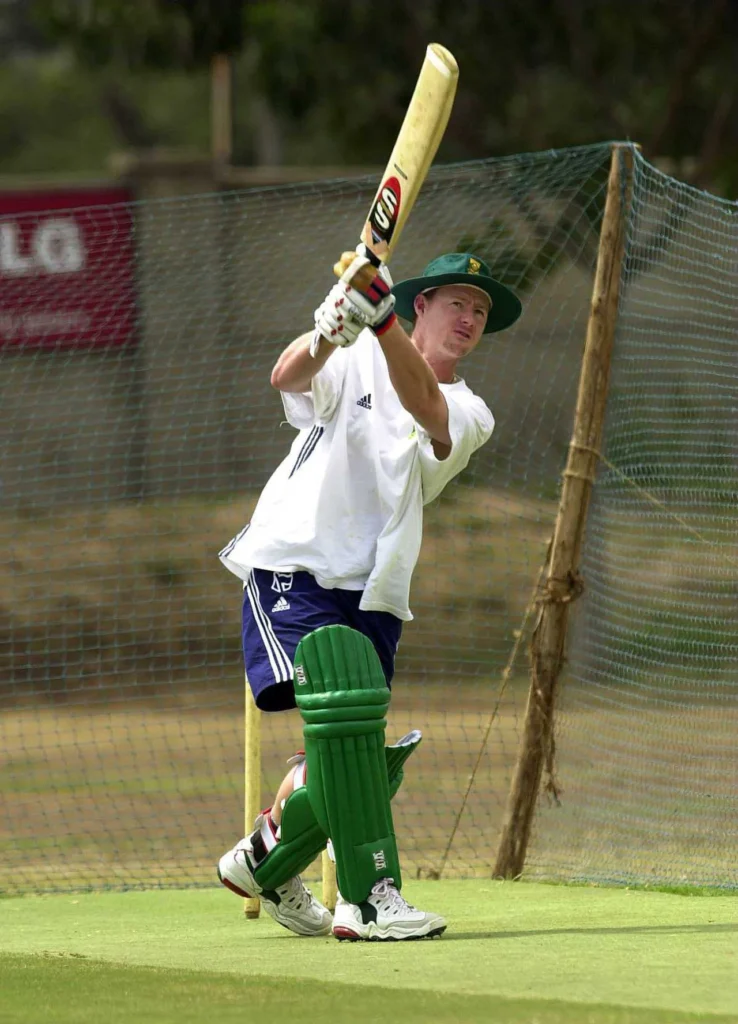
396	756
302	839
343	697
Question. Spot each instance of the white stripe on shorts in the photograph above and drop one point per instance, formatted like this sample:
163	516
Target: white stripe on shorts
281	665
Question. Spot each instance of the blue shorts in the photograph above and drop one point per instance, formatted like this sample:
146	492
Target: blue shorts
280	608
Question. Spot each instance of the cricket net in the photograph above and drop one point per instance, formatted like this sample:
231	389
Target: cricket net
649	705
128	460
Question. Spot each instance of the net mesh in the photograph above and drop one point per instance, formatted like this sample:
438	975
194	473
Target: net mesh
128	460
649	706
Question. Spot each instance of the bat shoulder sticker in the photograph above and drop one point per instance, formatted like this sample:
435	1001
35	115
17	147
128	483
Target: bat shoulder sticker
385	212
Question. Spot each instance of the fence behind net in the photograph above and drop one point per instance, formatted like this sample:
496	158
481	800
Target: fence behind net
650	702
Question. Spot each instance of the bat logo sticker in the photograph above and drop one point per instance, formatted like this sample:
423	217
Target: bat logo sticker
386	209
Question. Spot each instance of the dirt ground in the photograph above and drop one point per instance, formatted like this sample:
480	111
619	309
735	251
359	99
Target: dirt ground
132	595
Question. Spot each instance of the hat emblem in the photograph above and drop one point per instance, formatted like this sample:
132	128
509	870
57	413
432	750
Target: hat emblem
474	266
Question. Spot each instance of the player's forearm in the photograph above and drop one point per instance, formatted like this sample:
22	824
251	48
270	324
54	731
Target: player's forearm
295	368
415	383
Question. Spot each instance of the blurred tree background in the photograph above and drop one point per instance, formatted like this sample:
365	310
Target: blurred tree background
326	82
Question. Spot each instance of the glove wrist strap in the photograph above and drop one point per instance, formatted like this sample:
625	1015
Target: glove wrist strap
385	325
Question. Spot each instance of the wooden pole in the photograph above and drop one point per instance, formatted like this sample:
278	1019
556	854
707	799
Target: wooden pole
252	781
221	116
563	584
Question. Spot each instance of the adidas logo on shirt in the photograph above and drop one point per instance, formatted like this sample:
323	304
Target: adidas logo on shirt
365	402
281	605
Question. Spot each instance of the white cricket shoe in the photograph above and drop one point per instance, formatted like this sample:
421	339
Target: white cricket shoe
291	905
384	916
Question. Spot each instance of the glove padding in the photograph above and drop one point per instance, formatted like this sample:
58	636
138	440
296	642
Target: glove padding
337	319
367	285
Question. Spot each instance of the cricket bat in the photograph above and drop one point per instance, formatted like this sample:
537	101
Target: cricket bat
416	145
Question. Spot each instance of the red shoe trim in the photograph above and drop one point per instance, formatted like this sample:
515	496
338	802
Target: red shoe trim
342	932
234	888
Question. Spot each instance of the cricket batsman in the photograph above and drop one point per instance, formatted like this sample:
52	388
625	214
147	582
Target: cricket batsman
384	423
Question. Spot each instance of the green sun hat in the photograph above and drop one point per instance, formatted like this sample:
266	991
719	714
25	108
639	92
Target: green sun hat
460	268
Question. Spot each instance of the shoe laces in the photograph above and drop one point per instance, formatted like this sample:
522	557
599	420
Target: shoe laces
385	889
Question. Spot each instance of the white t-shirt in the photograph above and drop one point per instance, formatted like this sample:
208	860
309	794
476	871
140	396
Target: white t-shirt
346	505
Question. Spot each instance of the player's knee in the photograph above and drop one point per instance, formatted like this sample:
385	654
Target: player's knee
338	659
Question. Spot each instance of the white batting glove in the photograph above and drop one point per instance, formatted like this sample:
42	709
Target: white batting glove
337	319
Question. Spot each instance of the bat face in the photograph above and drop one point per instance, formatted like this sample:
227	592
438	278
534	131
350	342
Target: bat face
384	215
421	132
415	147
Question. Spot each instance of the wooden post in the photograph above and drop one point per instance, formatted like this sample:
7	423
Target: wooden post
562	583
221	116
330	886
252	781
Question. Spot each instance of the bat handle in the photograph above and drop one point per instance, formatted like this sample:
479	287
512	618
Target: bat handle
364	276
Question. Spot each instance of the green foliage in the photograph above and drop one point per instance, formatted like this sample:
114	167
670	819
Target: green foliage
47	94
52	91
335	76
144	33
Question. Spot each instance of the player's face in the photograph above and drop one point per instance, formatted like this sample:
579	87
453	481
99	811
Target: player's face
453	318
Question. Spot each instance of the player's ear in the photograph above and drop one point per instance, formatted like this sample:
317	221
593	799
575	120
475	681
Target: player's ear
420	304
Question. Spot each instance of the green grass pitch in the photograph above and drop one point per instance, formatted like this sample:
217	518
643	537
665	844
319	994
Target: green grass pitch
514	952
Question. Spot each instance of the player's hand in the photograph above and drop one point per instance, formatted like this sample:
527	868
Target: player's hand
337	319
367	284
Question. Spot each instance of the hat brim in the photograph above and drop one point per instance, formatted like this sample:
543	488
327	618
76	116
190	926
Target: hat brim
506	306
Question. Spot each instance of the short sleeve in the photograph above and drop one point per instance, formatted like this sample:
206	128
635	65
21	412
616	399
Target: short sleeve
318	405
470	424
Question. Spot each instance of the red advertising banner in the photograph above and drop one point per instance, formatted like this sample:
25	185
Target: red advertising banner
66	269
